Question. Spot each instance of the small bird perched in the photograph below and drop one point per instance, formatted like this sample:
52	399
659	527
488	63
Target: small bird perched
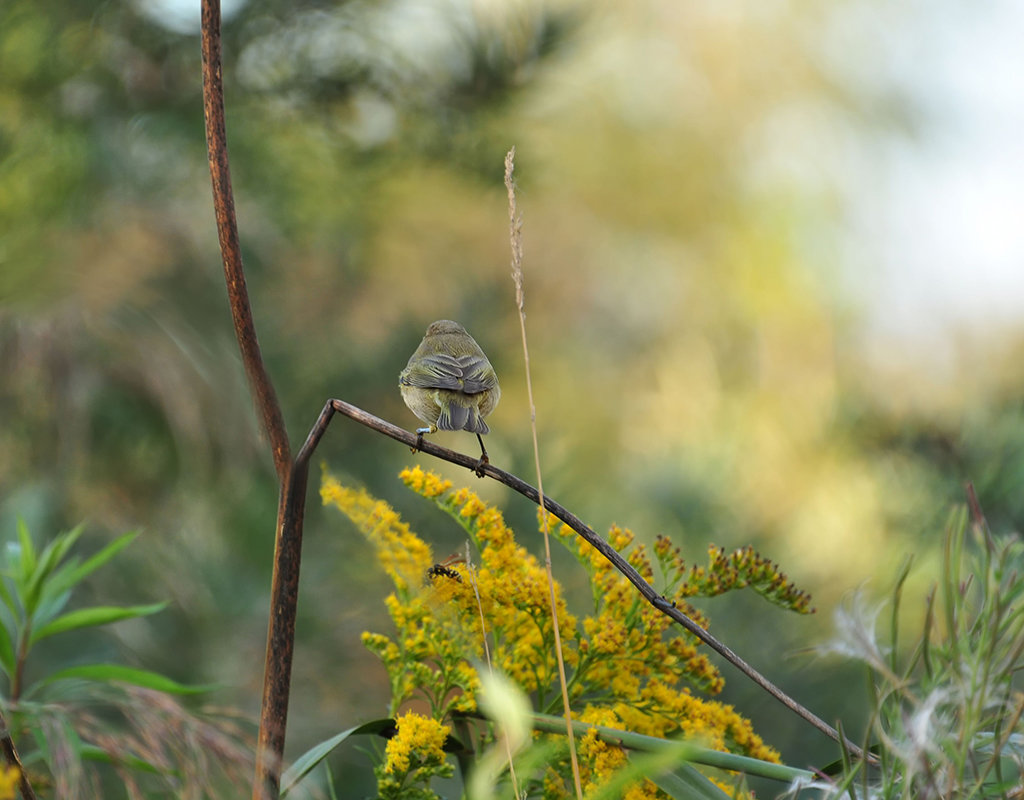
449	383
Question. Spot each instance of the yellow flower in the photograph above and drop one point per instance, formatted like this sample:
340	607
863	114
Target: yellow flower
419	742
9	778
628	663
644	790
427	484
404	556
607	634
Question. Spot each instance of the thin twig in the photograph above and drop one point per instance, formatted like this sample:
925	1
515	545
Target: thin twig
513	482
292	497
515	225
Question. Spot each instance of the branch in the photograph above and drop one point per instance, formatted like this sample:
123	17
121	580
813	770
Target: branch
417	442
231	252
284	588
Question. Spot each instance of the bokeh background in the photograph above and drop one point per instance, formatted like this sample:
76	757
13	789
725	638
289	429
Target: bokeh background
774	279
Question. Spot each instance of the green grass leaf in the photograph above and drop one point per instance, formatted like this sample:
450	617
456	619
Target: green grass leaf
26	551
44	566
308	760
687	782
5	594
111	673
6	651
89	617
90	752
66	579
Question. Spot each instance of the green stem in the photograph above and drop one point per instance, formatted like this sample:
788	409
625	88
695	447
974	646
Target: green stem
690	753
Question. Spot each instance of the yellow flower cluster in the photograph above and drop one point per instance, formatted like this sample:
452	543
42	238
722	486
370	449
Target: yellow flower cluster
9	781
512	593
412	757
419	740
634	631
600	760
403	554
728	572
628	668
428	655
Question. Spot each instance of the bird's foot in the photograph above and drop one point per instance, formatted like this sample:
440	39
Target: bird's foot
479	469
419	437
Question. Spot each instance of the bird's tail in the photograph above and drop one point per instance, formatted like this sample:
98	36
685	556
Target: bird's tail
461	418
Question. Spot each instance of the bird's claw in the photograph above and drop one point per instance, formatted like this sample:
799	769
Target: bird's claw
480	464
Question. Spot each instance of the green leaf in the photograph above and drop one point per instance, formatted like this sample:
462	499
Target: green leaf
48	607
26	554
90	752
308	760
57	549
65	580
6	651
686	783
41	752
44	566
5	594
57	744
96	615
111	673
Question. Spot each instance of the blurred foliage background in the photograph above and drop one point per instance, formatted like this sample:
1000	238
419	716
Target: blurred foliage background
694	180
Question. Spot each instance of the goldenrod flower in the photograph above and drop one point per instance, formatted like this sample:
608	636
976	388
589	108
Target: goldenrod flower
414	755
403	555
9	780
418	742
629	666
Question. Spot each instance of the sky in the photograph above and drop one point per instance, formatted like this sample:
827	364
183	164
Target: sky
948	217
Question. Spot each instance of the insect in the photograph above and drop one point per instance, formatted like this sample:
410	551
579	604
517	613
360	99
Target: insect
443	569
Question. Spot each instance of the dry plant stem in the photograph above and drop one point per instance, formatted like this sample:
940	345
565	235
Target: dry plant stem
11	757
664	606
291	500
515	237
977	515
227	231
490	666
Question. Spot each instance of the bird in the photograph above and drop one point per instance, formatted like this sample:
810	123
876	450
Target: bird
449	383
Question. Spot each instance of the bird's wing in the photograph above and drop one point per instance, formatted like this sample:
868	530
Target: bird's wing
469	374
437	371
477	374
